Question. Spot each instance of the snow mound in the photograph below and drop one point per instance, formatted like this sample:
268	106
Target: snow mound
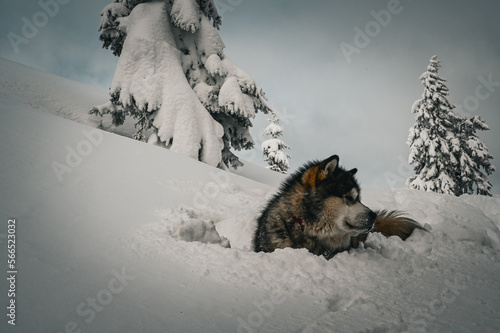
190	228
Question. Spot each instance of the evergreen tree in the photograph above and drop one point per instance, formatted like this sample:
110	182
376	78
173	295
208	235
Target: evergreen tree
275	157
174	79
473	156
432	139
444	150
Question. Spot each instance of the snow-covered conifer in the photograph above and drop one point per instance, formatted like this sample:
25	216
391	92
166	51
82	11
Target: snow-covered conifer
473	156
433	138
275	157
444	150
173	78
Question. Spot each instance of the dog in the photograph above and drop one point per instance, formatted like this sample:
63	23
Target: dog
319	208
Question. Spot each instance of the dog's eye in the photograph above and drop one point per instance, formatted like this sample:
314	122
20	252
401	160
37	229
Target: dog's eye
349	198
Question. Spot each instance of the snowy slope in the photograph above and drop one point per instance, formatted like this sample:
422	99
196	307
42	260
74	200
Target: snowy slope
107	242
56	95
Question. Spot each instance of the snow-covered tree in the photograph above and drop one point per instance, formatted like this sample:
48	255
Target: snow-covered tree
473	156
433	139
174	79
275	157
444	150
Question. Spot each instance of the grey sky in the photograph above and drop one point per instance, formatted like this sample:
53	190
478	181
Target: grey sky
359	109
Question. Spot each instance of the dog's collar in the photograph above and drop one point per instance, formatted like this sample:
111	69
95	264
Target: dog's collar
326	251
299	222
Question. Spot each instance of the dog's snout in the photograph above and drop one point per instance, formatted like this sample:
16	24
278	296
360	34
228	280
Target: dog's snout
368	219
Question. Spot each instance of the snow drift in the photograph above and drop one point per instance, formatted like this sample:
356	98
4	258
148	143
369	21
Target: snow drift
134	239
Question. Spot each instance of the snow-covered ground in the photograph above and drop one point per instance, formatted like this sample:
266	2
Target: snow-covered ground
114	235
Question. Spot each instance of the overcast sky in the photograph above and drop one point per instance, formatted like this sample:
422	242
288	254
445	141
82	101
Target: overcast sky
342	74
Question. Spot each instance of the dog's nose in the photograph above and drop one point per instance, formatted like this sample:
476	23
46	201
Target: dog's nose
369	219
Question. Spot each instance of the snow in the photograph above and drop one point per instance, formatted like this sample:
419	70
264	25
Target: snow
191	228
207	39
133	239
162	43
273	129
56	95
276	159
215	66
230	97
274	146
111	12
185	15
149	73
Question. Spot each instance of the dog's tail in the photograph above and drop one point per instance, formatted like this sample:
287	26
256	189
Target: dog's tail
394	223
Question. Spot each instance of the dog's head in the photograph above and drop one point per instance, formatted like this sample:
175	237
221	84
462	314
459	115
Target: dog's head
331	201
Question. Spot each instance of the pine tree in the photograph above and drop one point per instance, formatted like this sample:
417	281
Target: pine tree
473	156
174	79
275	157
433	139
445	152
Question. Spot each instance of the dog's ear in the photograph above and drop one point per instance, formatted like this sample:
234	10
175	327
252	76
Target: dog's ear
320	171
328	166
353	171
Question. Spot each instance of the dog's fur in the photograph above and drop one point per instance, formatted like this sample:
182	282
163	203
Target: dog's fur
319	208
